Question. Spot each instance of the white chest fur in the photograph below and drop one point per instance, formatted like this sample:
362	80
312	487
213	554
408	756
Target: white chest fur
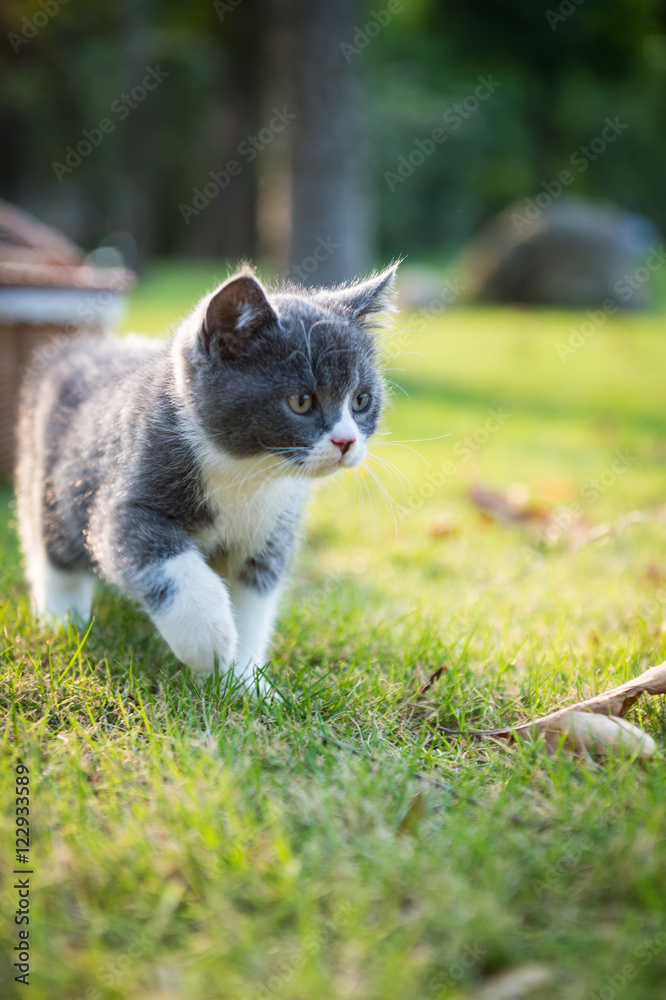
247	497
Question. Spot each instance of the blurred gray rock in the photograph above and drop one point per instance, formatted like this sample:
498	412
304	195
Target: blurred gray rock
573	253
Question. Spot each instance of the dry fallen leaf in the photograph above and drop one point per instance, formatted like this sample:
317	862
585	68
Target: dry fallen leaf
508	507
617	701
589	732
654	573
613	703
443	527
434	676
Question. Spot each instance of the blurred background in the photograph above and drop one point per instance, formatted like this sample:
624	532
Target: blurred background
511	153
321	139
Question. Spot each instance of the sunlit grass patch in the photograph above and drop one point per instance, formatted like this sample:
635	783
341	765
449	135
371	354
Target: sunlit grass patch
187	843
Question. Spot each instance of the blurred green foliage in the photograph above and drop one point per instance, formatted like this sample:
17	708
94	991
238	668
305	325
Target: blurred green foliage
562	68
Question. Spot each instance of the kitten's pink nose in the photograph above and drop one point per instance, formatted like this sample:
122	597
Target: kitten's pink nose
344	444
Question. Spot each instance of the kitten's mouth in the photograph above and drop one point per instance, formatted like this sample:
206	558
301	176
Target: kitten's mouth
329	466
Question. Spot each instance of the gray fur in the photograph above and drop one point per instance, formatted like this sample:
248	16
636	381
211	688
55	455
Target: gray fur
114	438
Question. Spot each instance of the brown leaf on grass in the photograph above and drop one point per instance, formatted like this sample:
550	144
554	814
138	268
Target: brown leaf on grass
613	704
431	680
552	526
510	507
617	701
654	573
591	733
443	527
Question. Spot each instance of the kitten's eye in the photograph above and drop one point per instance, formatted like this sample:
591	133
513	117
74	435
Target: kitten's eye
301	402
361	402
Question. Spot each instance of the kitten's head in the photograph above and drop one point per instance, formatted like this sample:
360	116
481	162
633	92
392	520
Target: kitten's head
292	373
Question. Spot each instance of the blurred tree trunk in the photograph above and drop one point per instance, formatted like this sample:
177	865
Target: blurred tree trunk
314	211
133	204
226	228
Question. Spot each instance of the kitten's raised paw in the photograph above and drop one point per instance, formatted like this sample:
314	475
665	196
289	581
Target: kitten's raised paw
194	614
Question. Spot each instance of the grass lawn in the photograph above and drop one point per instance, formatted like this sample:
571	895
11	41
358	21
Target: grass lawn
188	846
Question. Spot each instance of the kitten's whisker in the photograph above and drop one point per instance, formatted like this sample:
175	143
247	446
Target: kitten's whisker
383	489
388	499
402	478
407	444
391	466
396	385
385	444
364	486
391	472
361	509
438	437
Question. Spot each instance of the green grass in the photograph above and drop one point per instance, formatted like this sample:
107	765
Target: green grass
187	846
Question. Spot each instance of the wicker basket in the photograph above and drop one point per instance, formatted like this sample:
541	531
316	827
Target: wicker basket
47	295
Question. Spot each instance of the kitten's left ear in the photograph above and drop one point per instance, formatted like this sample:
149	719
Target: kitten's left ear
365	299
235	314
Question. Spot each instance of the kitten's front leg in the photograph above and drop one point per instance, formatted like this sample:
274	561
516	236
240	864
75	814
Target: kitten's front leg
255	614
151	558
190	605
255	591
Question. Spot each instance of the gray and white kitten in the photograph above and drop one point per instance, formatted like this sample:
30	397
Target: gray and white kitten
177	469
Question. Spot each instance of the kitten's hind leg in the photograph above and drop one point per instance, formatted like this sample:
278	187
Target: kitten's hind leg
59	594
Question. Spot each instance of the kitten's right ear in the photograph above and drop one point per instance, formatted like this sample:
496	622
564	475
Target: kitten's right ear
235	313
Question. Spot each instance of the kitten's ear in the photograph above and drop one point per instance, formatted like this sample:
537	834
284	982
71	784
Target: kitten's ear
365	299
235	314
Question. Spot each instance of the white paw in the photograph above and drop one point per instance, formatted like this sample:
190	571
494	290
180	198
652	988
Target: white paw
197	621
60	595
204	643
251	671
